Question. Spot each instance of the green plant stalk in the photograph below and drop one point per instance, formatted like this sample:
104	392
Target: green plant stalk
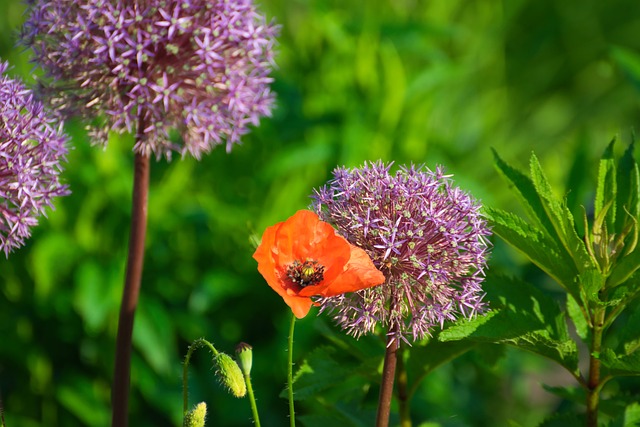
252	400
594	383
200	342
292	412
131	291
403	395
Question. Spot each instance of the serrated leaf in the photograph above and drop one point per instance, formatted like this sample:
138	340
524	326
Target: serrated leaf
526	193
606	187
577	317
561	218
625	365
521	316
317	372
538	247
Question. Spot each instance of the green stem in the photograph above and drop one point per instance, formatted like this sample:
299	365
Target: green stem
131	291
292	419
594	383
403	395
200	342
252	400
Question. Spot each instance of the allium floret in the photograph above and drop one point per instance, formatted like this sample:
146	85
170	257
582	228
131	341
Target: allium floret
200	67
427	237
32	145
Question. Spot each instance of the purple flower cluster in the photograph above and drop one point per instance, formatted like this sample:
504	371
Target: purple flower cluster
200	67
31	149
426	236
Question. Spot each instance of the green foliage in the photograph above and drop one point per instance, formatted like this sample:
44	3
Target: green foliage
410	81
597	273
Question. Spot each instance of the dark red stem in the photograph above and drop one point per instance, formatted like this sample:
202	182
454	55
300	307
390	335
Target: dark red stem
135	261
388	375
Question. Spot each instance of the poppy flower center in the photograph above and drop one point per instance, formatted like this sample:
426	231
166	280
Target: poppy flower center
307	273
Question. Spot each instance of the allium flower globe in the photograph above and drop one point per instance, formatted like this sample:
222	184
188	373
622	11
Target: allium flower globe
200	67
426	236
32	146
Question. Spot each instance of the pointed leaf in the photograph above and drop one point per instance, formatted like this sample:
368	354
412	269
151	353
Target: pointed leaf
630	418
592	282
425	358
629	61
564	420
317	372
525	192
624	268
538	247
628	183
606	188
561	218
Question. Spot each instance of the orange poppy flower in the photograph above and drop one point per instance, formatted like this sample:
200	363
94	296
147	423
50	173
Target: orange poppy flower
304	257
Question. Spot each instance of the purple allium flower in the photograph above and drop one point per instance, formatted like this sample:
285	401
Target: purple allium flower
200	67
426	236
32	146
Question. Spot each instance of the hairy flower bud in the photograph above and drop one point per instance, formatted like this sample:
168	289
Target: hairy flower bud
196	417
229	374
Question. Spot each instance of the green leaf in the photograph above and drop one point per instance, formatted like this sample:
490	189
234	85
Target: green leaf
538	247
628	333
592	282
572	394
628	184
526	192
561	218
578	318
625	365
567	419
521	316
630	417
606	188
318	372
423	359
624	268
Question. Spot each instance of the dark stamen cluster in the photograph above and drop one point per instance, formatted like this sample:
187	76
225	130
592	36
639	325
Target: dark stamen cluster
307	273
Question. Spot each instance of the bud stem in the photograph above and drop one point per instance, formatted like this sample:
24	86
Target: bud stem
252	400
292	412
200	342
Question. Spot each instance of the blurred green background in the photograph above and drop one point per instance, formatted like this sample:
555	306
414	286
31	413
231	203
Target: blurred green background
433	82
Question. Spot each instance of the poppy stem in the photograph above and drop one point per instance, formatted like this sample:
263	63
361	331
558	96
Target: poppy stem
292	413
131	291
252	400
200	342
388	375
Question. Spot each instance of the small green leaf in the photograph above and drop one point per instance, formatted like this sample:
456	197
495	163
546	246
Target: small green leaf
318	372
538	247
592	282
572	394
566	419
578	318
606	188
628	332
624	268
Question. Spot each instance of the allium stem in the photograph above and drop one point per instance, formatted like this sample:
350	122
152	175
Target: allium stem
388	375
292	412
404	396
135	261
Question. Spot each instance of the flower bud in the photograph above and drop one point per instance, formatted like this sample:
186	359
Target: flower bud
196	417
244	353
229	374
